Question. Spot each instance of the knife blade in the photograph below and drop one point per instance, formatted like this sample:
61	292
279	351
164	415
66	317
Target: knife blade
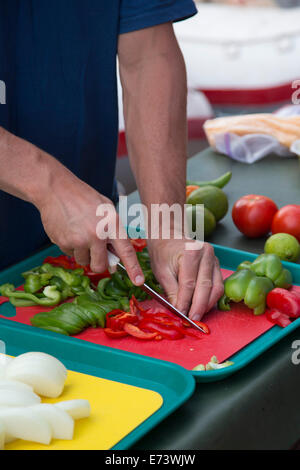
114	261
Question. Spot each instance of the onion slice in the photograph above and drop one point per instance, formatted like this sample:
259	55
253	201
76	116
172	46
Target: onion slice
24	423
44	373
14	397
77	409
61	423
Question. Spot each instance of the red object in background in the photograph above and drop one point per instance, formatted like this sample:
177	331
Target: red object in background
253	215
287	220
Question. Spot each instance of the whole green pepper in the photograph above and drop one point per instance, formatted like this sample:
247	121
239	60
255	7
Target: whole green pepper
269	265
245	286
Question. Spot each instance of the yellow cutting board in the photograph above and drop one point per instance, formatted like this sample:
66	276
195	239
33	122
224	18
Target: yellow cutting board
116	410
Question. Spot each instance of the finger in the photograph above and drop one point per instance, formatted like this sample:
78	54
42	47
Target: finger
98	257
82	256
187	277
218	286
168	282
203	285
127	253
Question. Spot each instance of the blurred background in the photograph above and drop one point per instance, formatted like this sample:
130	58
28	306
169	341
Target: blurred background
242	57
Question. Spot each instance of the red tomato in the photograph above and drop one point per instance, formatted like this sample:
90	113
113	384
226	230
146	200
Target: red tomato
287	220
253	215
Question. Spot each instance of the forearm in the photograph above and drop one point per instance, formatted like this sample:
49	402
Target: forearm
26	171
154	91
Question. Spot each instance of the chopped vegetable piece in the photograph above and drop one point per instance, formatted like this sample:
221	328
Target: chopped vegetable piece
245	285
287	302
135	331
115	334
213	364
165	331
278	318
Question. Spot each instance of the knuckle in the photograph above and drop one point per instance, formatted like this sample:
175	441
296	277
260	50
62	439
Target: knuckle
189	284
205	283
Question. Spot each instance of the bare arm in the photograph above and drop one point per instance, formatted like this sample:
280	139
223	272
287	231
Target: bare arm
154	85
153	78
67	205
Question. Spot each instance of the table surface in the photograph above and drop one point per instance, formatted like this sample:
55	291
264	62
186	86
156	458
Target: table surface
257	407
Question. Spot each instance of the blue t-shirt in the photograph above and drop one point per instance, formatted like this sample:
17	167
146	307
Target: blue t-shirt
58	62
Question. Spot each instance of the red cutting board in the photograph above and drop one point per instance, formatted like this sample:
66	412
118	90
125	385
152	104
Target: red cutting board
230	331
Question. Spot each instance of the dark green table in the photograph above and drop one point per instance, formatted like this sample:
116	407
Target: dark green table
258	407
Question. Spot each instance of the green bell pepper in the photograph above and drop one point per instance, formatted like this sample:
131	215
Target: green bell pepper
51	296
245	286
270	266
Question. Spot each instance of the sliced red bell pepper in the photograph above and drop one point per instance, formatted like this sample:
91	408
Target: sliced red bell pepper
116	319
202	325
135	331
279	318
165	331
138	243
115	334
287	302
163	319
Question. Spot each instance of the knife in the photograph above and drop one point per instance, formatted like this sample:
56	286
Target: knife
114	261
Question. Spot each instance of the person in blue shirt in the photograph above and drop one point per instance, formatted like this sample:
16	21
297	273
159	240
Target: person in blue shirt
59	131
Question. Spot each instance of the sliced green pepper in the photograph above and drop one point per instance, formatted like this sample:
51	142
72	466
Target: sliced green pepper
93	308
51	295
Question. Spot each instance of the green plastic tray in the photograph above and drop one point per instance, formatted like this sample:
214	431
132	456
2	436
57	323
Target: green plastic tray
229	259
174	383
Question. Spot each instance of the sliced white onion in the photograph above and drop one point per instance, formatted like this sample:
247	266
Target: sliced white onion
62	425
14	397
43	372
14	385
77	409
24	423
2	436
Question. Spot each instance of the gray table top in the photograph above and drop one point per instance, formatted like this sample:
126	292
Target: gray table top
275	177
258	407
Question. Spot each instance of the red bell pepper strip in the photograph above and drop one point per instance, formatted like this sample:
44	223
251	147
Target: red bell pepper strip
202	325
115	334
135	331
116	319
163	319
287	302
165	331
138	243
279	318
